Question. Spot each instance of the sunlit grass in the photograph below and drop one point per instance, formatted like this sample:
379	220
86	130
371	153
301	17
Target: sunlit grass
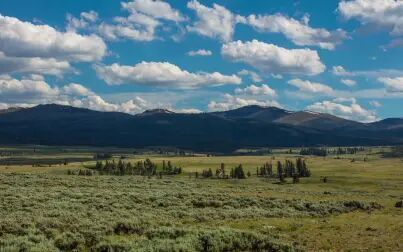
45	209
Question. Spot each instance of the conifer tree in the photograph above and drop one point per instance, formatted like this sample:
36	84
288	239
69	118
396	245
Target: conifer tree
280	172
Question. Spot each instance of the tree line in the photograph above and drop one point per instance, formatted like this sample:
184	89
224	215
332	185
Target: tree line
286	169
323	152
142	168
236	172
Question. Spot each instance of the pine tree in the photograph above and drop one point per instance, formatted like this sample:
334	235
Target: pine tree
121	167
239	173
280	172
169	167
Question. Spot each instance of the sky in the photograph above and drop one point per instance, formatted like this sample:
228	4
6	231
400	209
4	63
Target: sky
338	57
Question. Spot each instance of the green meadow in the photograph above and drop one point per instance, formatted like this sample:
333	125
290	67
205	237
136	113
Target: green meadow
44	209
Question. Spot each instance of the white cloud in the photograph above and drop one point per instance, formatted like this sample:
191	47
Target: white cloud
145	16
349	110
75	89
188	111
348	82
95	102
85	20
383	13
24	39
257	90
311	87
200	52
375	104
392	84
90	16
277	76
341	71
269	58
216	22
117	31
11	88
29	92
47	66
299	32
161	74
233	102
374	93
253	75
154	8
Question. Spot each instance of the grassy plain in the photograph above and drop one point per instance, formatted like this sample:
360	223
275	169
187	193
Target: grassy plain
44	209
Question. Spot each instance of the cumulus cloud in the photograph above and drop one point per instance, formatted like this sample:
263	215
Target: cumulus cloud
188	111
253	75
154	8
257	90
28	92
136	26
375	104
24	39
29	48
200	52
232	102
83	22
161	74
348	82
311	87
383	13
145	16
350	110
118	31
269	58
341	71
299	32
75	89
38	65
14	89
392	84
216	22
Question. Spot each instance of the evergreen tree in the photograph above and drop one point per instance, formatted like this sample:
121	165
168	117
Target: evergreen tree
280	172
121	167
239	172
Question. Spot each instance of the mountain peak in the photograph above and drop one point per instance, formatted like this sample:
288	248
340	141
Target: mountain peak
156	111
254	112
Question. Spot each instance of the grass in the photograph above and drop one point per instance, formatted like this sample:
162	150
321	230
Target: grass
43	209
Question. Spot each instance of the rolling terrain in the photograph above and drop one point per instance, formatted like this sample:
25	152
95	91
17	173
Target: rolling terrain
250	126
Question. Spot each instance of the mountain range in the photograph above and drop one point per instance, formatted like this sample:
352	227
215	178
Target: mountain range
226	131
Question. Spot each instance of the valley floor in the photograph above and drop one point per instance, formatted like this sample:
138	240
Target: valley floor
44	209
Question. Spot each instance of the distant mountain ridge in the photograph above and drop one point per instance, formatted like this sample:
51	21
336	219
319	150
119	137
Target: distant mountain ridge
250	126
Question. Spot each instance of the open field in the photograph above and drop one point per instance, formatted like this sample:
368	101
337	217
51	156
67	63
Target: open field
44	209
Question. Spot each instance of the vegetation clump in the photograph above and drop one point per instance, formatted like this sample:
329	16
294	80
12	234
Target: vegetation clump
314	152
143	168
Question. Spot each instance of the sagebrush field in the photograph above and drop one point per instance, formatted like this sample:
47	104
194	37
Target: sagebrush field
45	209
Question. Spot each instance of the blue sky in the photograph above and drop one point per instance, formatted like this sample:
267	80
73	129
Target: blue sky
338	57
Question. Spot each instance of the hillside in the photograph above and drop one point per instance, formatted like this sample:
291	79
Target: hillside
250	126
